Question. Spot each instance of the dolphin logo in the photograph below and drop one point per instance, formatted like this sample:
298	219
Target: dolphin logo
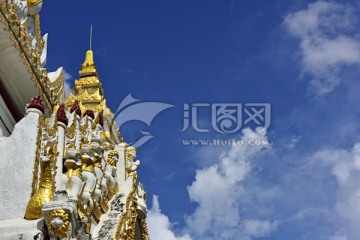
132	109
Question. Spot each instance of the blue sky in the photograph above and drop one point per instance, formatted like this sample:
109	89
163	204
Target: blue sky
302	57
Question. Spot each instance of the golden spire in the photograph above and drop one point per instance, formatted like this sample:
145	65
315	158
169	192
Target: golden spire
88	67
88	89
89	93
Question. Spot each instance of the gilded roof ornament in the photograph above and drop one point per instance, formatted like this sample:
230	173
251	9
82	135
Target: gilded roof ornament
34	7
88	67
32	3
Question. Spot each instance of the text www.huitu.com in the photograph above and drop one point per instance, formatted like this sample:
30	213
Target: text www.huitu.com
224	142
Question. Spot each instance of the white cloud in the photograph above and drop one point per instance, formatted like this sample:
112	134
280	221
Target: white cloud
293	142
328	42
345	166
68	78
259	229
160	225
244	198
217	190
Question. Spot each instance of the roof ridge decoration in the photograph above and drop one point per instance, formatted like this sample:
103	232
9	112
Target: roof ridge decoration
22	20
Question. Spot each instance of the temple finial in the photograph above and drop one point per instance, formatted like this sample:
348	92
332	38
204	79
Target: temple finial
88	67
91	30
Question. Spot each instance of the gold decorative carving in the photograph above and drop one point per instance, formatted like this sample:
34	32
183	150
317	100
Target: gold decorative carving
113	157
71	130
32	3
108	146
127	224
104	203
52	92
45	193
144	230
73	169
97	211
35	180
59	223
131	153
84	129
38	32
50	127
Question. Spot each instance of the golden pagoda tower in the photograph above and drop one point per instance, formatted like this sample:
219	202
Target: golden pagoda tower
88	89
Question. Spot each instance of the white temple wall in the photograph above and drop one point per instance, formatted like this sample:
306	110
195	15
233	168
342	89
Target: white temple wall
18	153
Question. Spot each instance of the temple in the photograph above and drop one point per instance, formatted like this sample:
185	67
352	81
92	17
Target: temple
66	172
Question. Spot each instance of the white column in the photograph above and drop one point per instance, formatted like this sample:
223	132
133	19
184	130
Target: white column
121	165
59	179
77	132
